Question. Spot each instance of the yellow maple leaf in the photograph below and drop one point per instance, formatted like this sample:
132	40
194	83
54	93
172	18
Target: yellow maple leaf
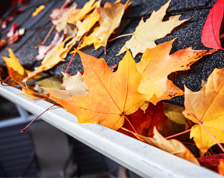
110	18
208	107
152	29
87	23
111	96
13	62
156	64
61	22
56	55
79	14
15	69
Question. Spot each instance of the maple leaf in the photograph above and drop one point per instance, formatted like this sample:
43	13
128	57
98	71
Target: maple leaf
60	17
111	96
73	86
79	14
91	39
44	50
171	146
38	10
110	18
207	106
15	69
211	30
87	23
56	55
152	29
144	121
18	73
57	13
156	64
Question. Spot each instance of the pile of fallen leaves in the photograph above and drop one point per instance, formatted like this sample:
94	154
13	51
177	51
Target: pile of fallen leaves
130	98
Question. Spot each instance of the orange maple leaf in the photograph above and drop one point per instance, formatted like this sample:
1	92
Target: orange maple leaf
156	64
208	107
111	96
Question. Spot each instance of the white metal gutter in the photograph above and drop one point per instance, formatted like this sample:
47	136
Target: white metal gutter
135	155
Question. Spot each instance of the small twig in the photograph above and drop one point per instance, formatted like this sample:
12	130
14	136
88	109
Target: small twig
24	129
220	146
120	36
181	133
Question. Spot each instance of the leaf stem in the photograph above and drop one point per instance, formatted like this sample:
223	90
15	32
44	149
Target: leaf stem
120	36
7	78
220	146
130	124
24	129
48	34
105	49
66	70
180	133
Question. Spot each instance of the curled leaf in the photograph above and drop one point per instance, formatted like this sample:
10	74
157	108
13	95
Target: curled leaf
171	146
57	13
110	18
87	23
15	69
79	14
56	55
211	31
44	50
73	86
